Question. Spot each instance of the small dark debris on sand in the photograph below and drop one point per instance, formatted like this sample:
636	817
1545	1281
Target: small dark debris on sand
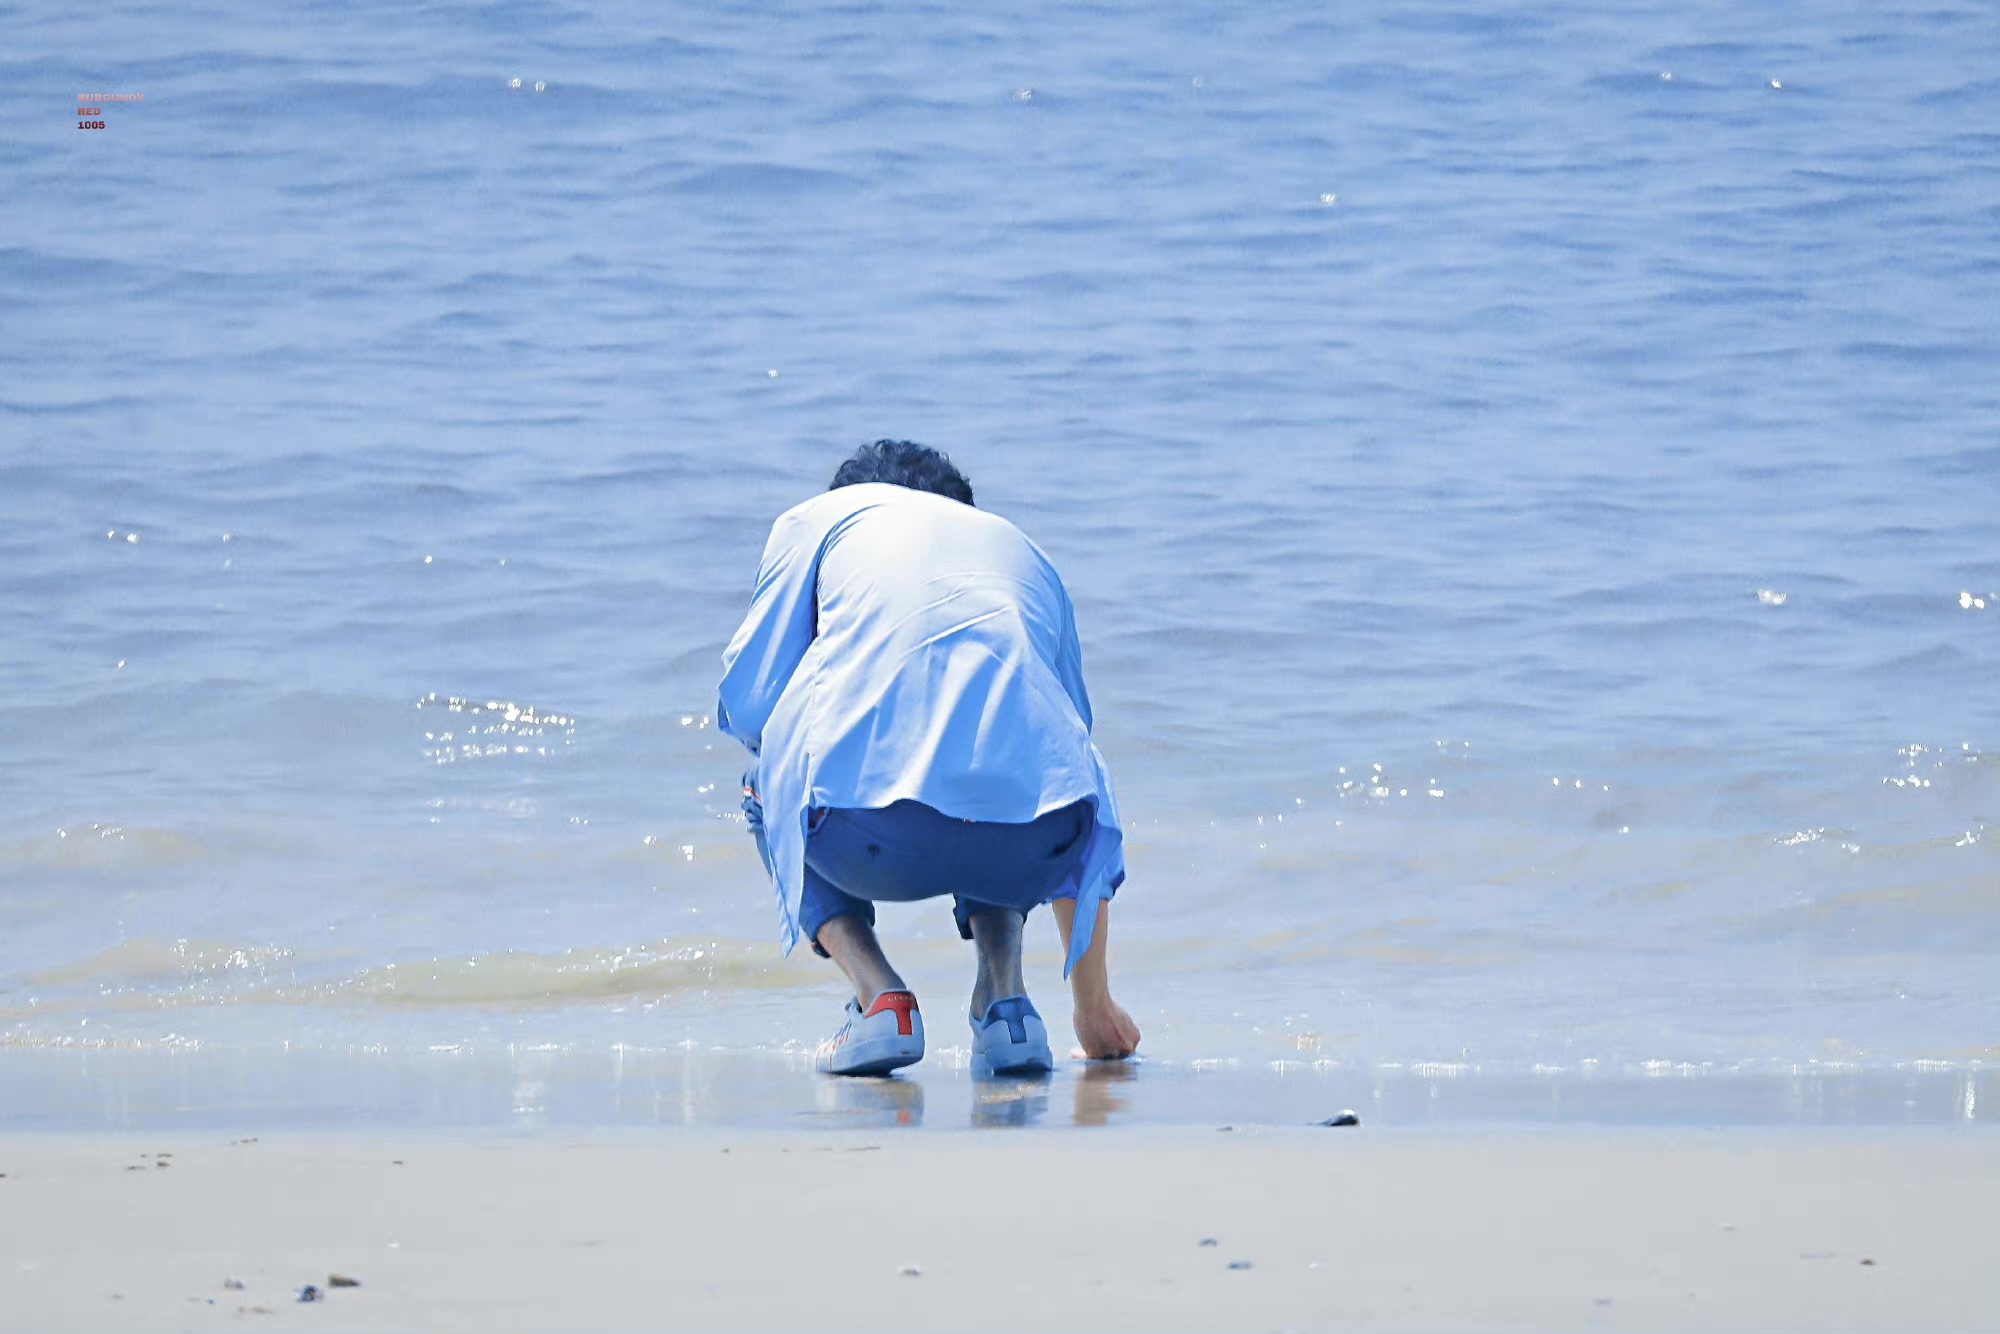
342	1281
1208	1241
233	1284
1239	1264
1865	1260
1347	1118
308	1293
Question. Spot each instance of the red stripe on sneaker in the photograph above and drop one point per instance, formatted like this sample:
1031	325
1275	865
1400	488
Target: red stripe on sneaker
902	1002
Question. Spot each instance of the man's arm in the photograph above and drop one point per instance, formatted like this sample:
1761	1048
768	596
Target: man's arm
1103	1028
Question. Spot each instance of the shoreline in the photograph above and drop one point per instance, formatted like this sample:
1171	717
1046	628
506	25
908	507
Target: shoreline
254	1091
717	1229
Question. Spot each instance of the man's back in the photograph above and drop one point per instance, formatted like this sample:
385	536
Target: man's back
940	663
945	623
904	566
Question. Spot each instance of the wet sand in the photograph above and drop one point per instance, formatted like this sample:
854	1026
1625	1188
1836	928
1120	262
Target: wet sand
1143	1229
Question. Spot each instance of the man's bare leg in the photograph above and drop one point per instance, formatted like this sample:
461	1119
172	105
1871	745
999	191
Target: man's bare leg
850	941
996	934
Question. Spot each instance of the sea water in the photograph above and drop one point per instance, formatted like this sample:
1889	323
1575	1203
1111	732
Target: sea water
1528	479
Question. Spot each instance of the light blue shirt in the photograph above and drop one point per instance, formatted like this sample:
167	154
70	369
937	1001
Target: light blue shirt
904	646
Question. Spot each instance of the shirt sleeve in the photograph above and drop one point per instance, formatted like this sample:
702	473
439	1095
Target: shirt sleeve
774	636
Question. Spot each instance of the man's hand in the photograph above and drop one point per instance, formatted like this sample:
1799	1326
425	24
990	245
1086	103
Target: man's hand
1105	1030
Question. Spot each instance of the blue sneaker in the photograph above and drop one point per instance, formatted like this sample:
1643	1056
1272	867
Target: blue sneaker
889	1036
1011	1039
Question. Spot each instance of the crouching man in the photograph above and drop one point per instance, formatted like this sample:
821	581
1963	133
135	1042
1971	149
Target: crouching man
909	681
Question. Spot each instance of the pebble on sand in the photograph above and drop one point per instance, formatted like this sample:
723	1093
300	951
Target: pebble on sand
1346	1118
1239	1264
911	1271
342	1281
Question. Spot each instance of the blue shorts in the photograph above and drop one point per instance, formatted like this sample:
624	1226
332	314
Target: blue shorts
908	851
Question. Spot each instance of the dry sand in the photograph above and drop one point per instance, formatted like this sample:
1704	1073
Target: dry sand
1168	1229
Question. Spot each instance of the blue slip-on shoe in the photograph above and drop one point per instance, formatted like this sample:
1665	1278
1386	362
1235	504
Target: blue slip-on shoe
888	1036
1011	1039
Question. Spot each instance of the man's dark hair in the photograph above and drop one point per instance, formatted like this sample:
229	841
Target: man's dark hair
904	463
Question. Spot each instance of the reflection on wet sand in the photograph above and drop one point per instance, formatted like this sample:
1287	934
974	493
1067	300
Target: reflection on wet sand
1097	1090
998	1101
1009	1100
888	1101
308	1089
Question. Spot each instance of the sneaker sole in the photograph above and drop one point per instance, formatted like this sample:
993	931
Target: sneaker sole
876	1056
